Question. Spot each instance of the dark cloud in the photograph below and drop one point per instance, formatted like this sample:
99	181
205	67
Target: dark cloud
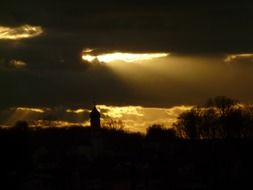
191	27
55	74
162	25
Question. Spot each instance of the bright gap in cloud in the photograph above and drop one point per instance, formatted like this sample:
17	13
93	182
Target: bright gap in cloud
237	57
120	56
38	110
21	32
17	63
78	111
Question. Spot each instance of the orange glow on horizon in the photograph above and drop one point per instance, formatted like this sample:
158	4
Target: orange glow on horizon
132	118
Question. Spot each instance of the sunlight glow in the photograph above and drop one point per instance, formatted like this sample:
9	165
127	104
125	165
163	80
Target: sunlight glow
88	50
89	58
131	118
56	123
38	110
138	118
78	111
21	32
233	57
18	63
118	112
119	56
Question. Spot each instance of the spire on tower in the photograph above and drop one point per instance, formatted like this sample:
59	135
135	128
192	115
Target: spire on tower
94	102
95	117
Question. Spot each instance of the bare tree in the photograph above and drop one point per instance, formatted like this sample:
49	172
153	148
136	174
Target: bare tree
221	117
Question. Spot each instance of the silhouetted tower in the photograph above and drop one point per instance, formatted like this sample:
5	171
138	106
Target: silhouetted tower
95	119
96	139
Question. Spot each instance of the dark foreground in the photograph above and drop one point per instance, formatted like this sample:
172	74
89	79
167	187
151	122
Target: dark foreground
50	159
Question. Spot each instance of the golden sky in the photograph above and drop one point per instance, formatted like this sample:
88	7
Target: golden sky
152	56
132	118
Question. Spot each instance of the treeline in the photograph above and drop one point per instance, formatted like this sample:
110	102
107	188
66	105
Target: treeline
219	118
63	158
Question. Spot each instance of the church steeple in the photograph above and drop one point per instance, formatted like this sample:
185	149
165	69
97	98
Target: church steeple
96	140
95	118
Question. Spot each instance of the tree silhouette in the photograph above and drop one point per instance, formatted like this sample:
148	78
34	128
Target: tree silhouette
20	126
158	132
222	103
221	117
188	124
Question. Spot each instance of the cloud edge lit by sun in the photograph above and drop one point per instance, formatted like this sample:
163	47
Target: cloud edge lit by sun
20	32
120	56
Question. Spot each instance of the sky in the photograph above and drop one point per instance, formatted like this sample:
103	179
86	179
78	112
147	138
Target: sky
208	48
